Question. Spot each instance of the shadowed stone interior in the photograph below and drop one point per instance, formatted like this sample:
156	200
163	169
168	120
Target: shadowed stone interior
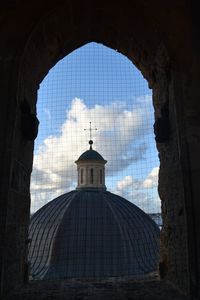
162	39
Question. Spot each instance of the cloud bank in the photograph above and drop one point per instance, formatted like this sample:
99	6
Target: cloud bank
119	138
137	191
150	181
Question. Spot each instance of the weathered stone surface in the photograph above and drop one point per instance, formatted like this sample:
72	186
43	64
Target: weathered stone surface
88	289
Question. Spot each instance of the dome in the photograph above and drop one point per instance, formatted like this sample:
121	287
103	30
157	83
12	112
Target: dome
90	155
91	234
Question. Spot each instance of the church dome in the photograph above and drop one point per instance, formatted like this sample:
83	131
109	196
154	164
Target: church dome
90	155
92	234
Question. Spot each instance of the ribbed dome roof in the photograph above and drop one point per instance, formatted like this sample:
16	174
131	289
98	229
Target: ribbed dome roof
90	155
92	234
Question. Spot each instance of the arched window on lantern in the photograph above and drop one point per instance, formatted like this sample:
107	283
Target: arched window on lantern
91	175
101	176
81	176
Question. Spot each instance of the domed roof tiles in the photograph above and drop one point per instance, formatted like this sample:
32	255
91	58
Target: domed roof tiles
91	234
90	155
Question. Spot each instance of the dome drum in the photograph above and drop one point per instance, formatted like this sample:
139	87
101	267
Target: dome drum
91	170
91	175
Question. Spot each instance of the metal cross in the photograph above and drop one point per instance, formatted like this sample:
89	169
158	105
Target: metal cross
90	129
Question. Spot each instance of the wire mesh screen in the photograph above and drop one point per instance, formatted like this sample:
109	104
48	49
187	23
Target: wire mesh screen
90	232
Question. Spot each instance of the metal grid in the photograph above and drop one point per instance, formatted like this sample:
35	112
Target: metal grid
98	85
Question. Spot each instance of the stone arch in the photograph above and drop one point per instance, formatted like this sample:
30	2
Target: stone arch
58	33
49	42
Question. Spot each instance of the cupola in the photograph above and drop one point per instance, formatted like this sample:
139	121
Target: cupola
91	170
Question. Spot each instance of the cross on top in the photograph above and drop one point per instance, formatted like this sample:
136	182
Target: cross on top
90	129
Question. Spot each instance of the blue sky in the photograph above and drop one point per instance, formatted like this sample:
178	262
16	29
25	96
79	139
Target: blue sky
98	84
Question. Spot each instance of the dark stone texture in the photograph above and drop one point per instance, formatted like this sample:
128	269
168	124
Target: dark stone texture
116	288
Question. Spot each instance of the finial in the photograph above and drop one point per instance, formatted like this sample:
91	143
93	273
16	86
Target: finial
90	129
90	142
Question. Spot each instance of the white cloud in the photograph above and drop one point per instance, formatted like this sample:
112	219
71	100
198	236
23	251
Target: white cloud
127	182
152	179
149	182
142	193
119	139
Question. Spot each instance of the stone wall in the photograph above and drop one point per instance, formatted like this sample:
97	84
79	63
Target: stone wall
173	262
156	37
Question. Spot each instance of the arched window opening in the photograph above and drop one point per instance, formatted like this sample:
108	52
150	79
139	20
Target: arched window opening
101	177
91	176
82	176
118	102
